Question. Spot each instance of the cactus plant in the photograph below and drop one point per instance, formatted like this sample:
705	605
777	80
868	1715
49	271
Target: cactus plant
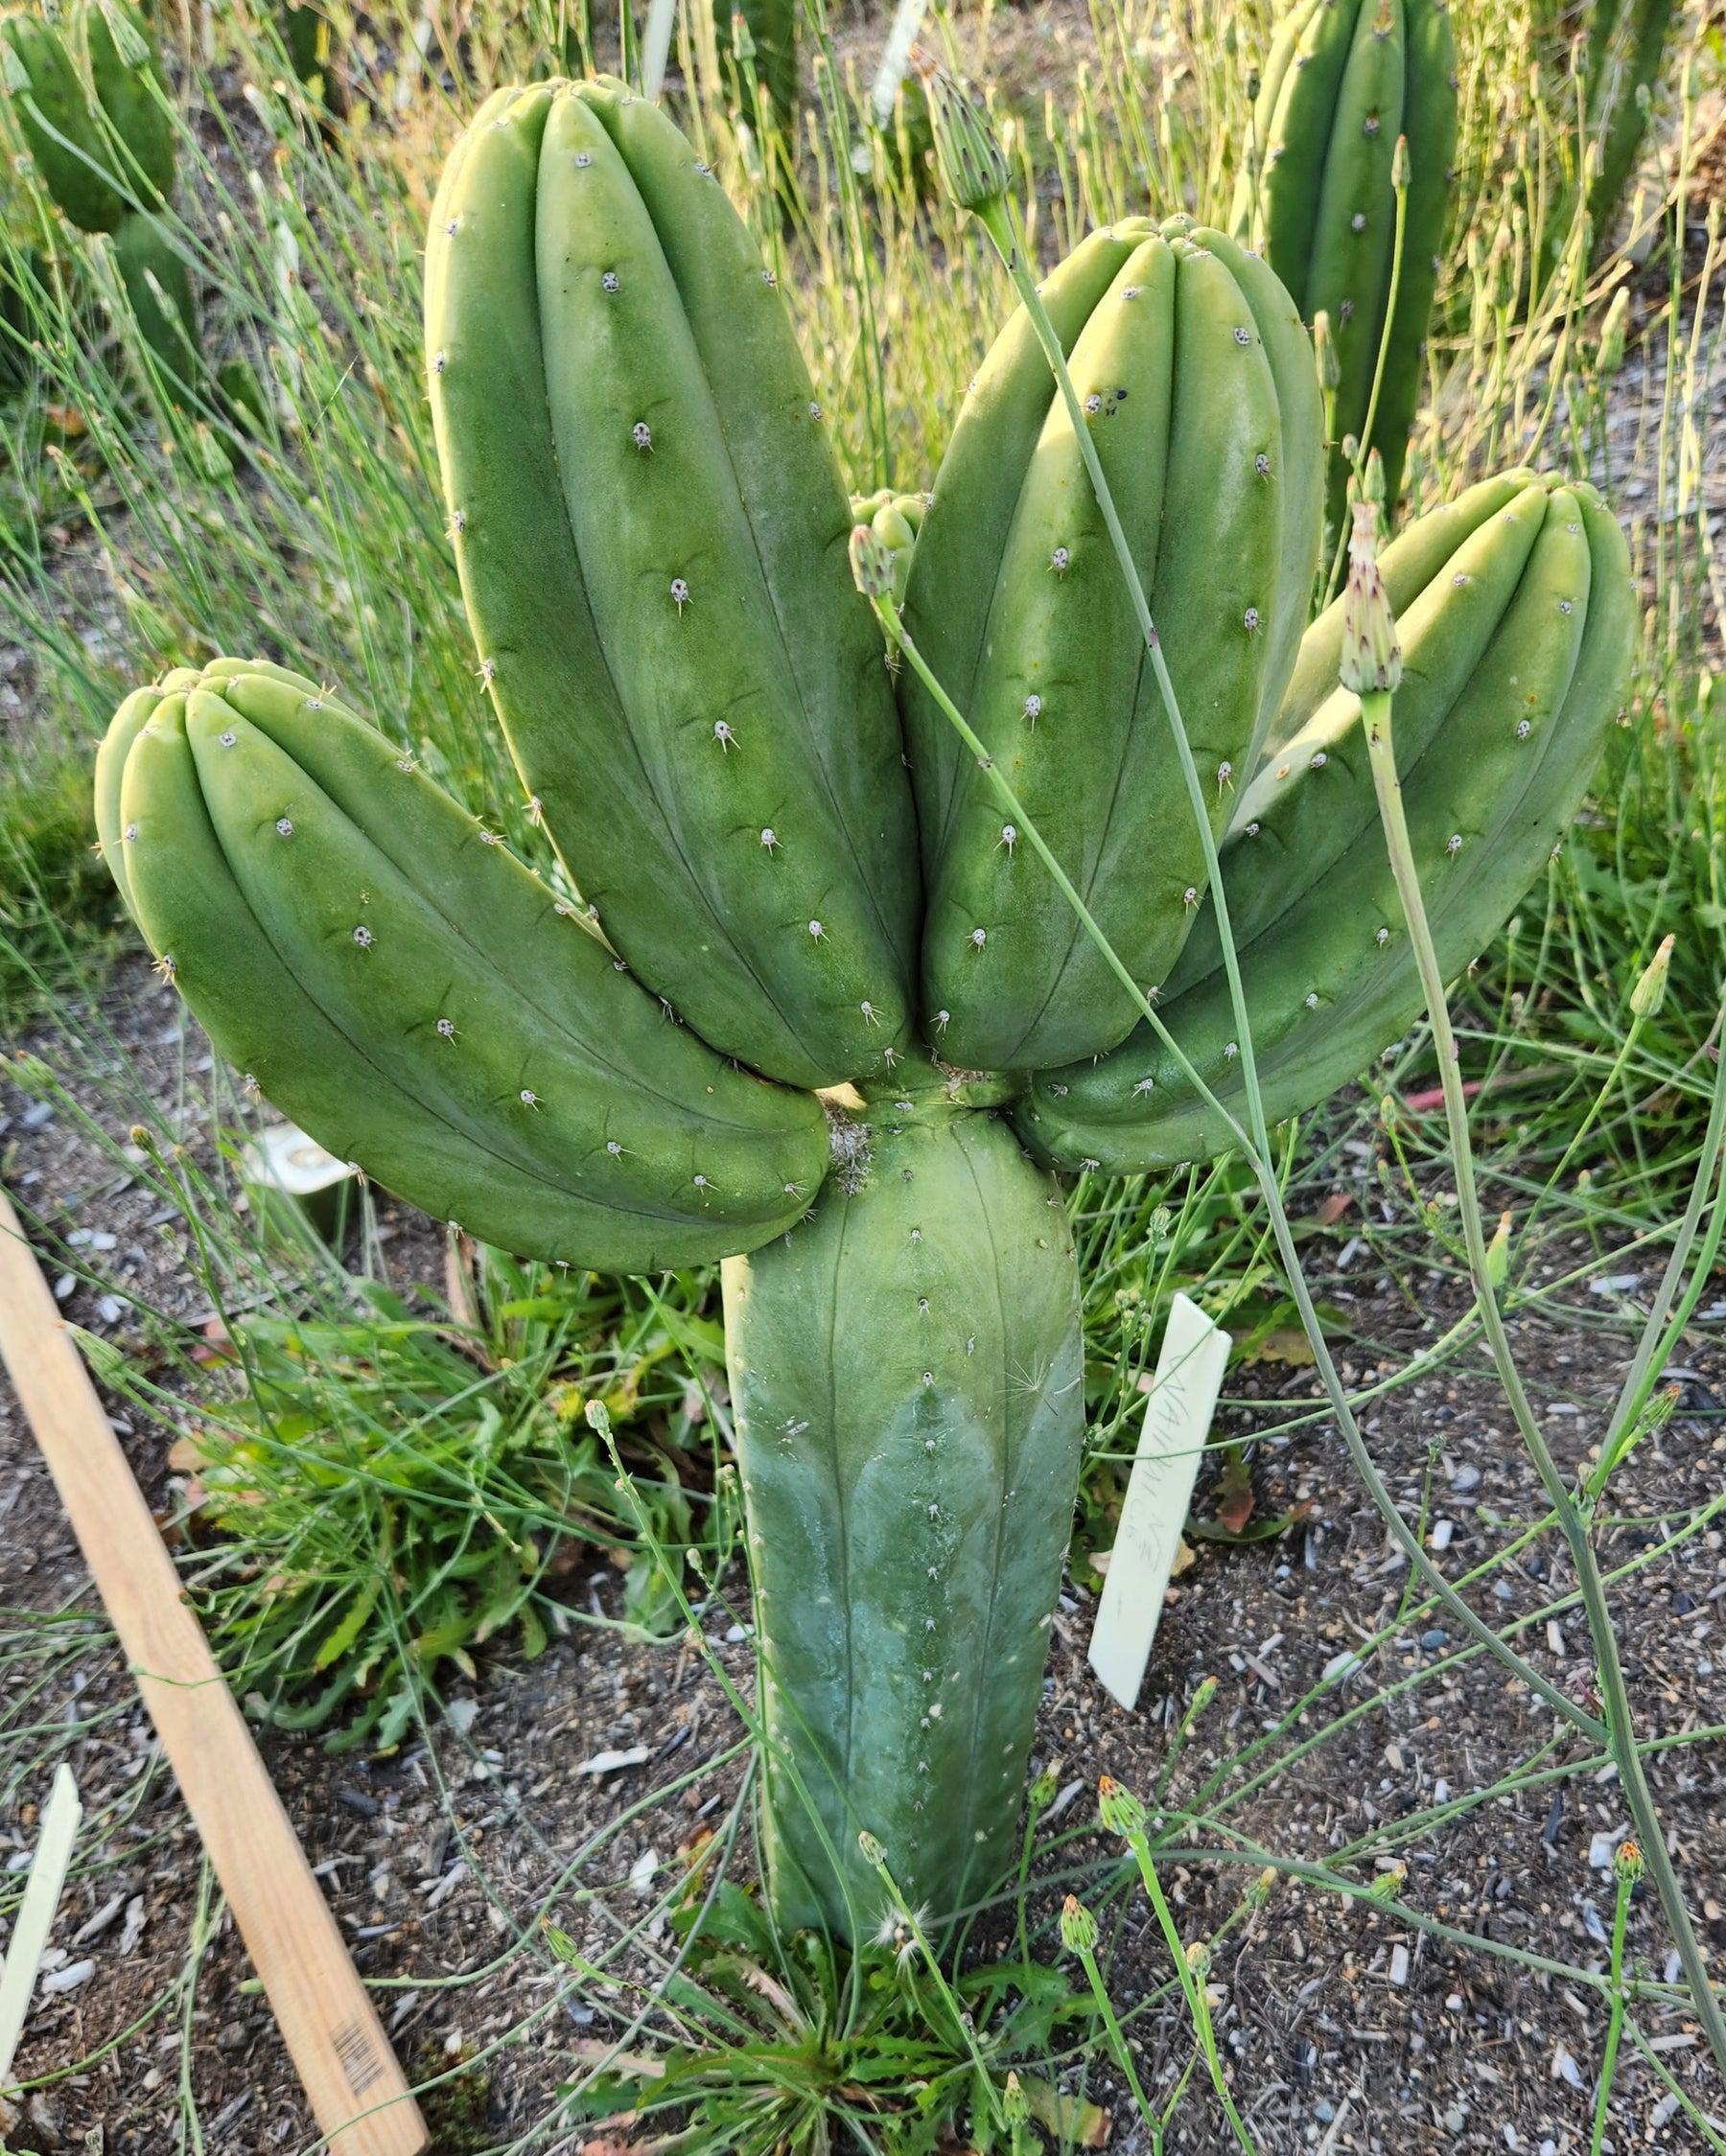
57	117
1345	82
1626	44
620	408
729	779
758	38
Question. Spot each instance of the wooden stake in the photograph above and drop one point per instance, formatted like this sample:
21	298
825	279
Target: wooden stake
358	2092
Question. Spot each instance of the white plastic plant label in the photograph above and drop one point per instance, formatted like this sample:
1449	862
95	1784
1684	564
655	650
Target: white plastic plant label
1177	1421
55	1837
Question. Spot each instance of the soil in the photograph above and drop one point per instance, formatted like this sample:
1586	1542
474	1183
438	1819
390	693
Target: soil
1343	2028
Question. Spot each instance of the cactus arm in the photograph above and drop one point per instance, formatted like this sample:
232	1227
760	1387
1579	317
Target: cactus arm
159	290
798	518
53	109
1556	666
969	518
906	1370
1311	803
422	1004
713	796
1065	698
134	715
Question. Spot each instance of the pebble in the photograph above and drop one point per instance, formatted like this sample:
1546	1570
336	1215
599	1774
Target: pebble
611	1762
1436	1641
1466	1477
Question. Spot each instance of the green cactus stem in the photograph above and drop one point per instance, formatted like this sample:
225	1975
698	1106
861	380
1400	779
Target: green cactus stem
651	536
389	974
1345	79
1626	46
159	288
1517	617
1197	383
907	1371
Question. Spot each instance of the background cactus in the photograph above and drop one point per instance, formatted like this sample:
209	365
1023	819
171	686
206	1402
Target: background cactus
758	50
622	409
101	85
1626	45
1344	80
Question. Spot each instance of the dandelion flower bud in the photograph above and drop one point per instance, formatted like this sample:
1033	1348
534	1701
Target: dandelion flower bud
973	169
1372	656
872	563
1077	1927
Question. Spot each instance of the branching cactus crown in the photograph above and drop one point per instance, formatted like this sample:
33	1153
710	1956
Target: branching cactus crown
772	877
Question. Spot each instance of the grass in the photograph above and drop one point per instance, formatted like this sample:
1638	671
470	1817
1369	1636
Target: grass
383	1485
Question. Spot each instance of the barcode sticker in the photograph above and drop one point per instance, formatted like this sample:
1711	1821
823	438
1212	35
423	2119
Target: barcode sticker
1177	1419
358	2055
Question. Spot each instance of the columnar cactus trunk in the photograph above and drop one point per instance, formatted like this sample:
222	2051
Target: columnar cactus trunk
1343	82
651	533
907	1371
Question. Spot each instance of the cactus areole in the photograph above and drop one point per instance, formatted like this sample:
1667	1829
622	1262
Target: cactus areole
786	990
